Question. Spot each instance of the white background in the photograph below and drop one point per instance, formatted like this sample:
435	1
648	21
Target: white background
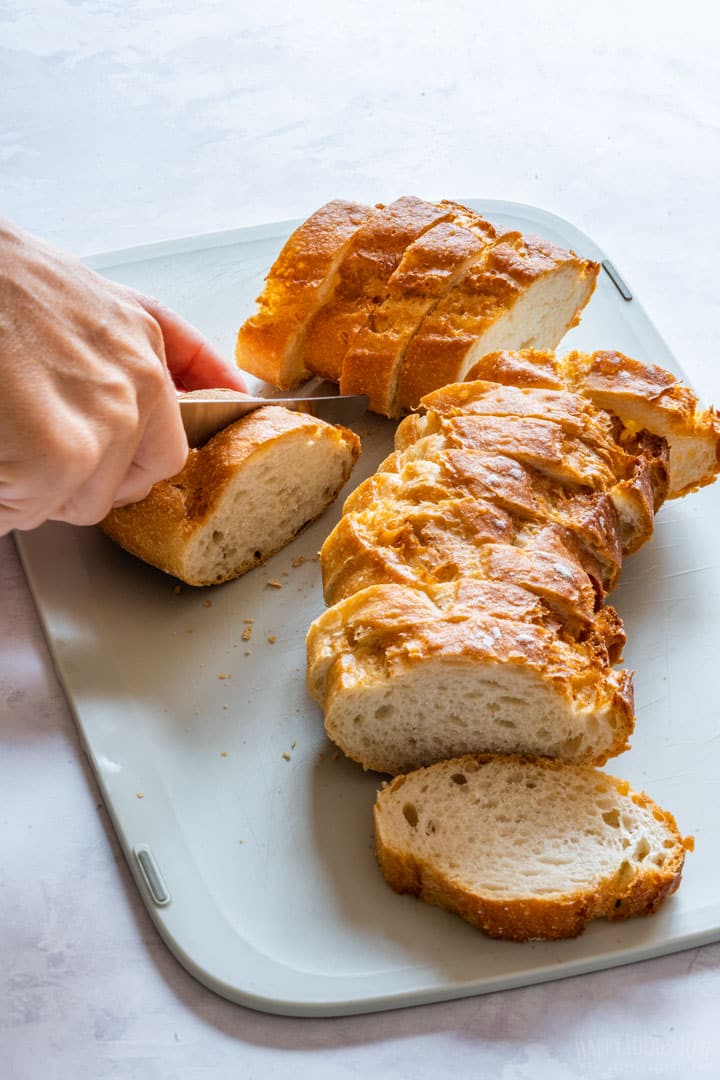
125	122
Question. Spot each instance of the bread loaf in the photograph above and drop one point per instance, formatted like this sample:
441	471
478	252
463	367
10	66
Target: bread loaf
240	498
525	848
496	491
413	293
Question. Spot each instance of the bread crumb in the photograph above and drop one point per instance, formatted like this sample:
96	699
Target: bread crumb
299	561
293	744
190	630
224	676
248	620
286	756
273	584
207	603
241	841
335	756
316	557
224	706
247	633
271	639
177	590
248	652
140	795
223	753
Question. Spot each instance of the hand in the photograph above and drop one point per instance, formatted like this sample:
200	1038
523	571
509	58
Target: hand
88	406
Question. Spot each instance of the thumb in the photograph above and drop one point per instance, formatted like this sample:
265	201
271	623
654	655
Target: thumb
192	361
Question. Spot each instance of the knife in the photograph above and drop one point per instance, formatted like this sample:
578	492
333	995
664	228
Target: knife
203	416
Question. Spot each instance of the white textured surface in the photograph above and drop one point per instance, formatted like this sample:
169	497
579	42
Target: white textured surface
122	123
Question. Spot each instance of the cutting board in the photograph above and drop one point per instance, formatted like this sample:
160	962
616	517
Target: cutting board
248	835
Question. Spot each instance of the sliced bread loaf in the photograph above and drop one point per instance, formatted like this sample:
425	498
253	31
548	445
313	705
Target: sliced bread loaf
240	498
525	848
397	300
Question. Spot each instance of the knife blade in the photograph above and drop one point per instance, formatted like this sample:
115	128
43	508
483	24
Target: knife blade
204	416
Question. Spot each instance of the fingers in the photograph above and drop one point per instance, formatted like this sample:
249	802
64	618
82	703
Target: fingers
161	452
193	362
88	411
159	449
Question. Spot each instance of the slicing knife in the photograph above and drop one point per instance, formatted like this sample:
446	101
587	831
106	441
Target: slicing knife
211	411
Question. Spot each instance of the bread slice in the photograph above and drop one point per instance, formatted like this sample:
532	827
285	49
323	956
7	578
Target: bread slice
527	849
525	292
431	265
426	544
647	396
540	445
302	278
240	498
407	678
589	516
641	395
373	255
550	432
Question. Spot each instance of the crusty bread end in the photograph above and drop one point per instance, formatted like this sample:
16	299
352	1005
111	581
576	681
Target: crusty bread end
240	498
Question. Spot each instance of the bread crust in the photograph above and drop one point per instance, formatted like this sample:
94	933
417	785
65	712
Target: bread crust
431	265
648	401
302	278
449	339
373	255
531	917
161	527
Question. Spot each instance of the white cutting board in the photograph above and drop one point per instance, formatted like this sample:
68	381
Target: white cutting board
259	871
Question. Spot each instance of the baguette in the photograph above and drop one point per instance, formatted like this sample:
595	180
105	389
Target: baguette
494	488
237	501
398	300
524	848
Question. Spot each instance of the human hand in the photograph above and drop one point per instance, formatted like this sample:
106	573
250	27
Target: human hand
88	408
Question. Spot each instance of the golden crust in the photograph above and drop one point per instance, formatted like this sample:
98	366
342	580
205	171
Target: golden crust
494	480
443	348
646	396
428	269
302	278
524	368
534	917
647	400
373	255
538	444
160	528
376	635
